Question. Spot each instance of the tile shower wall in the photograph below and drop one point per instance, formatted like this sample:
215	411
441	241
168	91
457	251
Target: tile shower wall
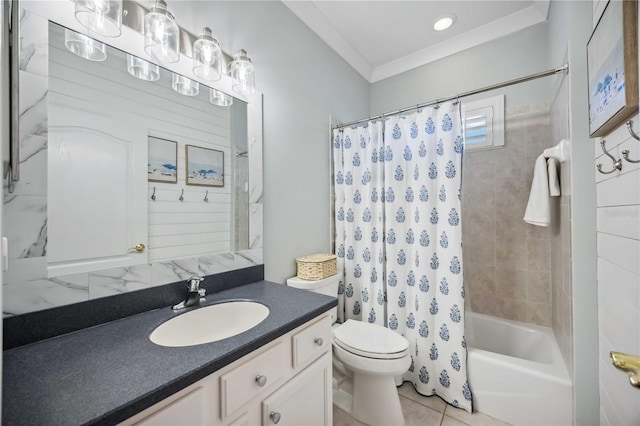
507	262
26	285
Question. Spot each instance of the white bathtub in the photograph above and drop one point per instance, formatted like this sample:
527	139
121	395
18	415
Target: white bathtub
516	372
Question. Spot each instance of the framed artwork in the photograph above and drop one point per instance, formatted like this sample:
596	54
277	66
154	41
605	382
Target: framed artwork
612	67
205	167
162	163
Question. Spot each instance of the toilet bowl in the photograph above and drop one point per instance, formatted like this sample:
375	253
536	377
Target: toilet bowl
366	359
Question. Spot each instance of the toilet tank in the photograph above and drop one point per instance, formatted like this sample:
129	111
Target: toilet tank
327	286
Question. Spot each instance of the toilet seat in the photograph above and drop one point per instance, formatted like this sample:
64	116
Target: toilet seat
370	340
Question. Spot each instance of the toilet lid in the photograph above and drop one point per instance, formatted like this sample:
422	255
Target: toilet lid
370	340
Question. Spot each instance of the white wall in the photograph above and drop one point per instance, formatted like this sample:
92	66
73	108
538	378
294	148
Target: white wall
618	225
570	28
506	58
618	215
303	81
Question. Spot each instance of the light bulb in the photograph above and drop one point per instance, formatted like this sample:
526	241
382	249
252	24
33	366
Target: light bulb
102	17
207	56
242	73
162	34
85	47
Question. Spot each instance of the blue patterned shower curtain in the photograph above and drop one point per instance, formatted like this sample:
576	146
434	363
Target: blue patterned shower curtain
398	239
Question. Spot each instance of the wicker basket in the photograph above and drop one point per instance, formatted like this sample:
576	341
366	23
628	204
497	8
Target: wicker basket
316	266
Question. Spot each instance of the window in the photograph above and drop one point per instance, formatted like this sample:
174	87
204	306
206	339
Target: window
483	123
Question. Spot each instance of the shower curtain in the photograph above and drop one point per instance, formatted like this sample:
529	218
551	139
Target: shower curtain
398	239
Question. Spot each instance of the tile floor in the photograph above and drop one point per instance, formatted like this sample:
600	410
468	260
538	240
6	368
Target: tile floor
425	411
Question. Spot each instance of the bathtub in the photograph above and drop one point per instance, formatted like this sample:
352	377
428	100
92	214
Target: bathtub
516	372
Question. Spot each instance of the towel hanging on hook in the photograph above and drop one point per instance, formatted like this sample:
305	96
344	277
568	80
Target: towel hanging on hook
560	152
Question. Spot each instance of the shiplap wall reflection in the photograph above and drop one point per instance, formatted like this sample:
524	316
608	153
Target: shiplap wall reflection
26	286
176	228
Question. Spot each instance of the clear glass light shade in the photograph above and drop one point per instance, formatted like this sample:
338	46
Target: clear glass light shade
139	68
207	57
242	73
161	34
184	85
85	47
220	98
102	17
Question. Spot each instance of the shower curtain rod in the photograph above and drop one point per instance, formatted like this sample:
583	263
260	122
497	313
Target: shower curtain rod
547	73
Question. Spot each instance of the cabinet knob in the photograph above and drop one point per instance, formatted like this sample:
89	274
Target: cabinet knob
261	381
275	416
318	341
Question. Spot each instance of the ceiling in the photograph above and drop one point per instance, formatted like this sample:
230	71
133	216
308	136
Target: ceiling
380	39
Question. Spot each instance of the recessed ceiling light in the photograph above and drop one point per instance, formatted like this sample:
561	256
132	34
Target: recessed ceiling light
444	22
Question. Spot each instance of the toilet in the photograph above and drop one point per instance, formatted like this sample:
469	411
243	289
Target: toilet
366	359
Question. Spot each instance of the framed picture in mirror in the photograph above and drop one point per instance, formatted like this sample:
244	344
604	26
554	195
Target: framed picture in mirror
205	167
162	163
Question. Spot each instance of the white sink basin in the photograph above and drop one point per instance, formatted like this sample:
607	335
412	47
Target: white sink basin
209	324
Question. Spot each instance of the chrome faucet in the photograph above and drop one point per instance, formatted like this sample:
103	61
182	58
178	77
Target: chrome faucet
195	295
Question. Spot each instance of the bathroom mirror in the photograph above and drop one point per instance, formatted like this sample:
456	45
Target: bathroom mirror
91	188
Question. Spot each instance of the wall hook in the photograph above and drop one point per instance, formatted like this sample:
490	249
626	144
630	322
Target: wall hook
153	196
617	164
625	154
206	197
181	198
631	132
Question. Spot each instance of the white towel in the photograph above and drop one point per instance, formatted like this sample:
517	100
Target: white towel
554	184
539	206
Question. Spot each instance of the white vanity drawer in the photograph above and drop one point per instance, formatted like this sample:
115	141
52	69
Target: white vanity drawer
313	341
246	381
189	409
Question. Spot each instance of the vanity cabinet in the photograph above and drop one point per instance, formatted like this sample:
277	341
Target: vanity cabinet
285	382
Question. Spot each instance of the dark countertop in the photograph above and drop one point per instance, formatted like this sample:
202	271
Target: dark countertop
107	373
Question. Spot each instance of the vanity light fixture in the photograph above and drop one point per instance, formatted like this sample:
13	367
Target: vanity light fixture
219	98
207	56
185	86
242	73
84	46
444	23
102	17
139	68
161	34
